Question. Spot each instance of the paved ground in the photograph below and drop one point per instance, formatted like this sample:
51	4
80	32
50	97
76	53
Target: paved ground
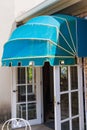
37	127
40	127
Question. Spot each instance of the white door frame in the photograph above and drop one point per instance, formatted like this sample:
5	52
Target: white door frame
38	96
57	97
81	104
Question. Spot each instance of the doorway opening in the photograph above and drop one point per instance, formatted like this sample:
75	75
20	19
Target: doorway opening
48	95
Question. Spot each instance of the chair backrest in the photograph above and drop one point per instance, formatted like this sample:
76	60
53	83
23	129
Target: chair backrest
15	123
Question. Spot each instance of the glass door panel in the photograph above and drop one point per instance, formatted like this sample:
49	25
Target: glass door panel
74	77
21	94
31	95
74	103
32	111
64	106
65	126
21	79
26	96
75	124
69	98
63	78
21	110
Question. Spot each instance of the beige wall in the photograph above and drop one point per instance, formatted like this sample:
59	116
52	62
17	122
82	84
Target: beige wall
21	6
6	21
5	94
6	25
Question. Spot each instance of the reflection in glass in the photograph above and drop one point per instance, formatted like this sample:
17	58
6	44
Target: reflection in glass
21	75
74	103
74	77
64	106
21	93
63	78
32	111
75	124
21	111
29	74
29	88
65	126
26	93
31	97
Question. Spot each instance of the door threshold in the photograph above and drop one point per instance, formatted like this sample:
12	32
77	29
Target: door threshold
41	127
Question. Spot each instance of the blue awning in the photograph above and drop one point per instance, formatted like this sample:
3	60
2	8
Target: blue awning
50	39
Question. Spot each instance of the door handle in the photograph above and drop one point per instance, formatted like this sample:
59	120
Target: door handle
15	91
58	103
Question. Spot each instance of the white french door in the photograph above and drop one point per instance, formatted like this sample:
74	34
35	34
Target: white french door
68	98
26	95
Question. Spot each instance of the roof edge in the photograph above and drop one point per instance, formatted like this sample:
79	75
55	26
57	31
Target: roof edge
46	8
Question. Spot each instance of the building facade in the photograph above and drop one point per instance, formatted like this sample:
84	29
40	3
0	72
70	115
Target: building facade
47	93
7	20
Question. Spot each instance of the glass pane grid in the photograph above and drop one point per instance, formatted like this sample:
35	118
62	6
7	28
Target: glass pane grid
63	78
70	118
21	79
64	106
18	103
65	125
70	122
74	103
26	106
75	124
74	77
32	111
25	84
65	92
21	110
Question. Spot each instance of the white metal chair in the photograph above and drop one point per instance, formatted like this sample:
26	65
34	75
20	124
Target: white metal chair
16	123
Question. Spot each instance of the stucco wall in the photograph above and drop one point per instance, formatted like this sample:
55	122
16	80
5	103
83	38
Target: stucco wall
21	6
6	21
6	25
5	94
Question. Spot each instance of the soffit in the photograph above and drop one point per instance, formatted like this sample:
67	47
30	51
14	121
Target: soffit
60	5
79	9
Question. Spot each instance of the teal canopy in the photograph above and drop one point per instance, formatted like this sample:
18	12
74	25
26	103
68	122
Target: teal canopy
42	39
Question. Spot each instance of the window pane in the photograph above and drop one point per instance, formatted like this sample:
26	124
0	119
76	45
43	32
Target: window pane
29	75
26	94
64	106
21	75
32	111
21	111
31	96
65	126
74	103
30	88
75	124
21	93
74	78
34	75
63	78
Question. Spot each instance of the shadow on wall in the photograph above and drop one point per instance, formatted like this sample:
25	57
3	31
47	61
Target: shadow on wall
5	113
